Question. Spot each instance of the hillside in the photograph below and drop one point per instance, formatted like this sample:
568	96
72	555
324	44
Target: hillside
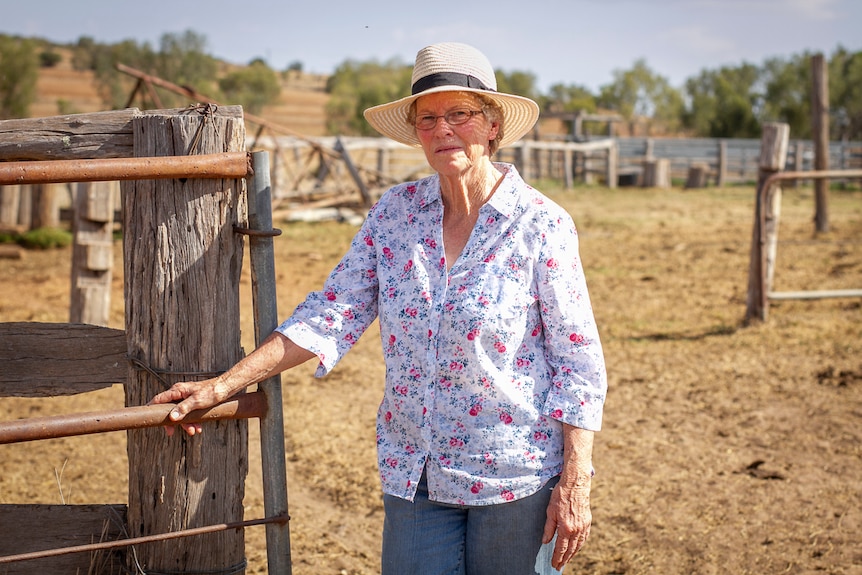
62	89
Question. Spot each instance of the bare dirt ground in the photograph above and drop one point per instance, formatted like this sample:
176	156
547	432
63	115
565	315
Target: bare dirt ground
726	449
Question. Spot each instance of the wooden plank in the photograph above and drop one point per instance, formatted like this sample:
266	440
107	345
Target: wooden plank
815	294
31	528
47	359
70	137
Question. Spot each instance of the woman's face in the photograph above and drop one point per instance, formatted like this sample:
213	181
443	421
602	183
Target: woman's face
452	150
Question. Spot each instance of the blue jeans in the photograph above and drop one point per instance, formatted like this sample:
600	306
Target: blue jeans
427	538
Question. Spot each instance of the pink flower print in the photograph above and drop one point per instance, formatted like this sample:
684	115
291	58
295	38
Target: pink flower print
410	449
500	347
507	495
557	413
477	487
408	266
471	335
411	189
401	389
431	242
576	338
387	417
456	366
536	331
392	339
449	307
552	263
490	258
522	362
411	311
540	436
371	273
392	462
387	253
414	373
348	313
506	418
348	337
430	334
455	442
476	409
330	295
488	459
368	241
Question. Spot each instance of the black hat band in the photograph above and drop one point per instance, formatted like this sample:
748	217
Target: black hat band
448	79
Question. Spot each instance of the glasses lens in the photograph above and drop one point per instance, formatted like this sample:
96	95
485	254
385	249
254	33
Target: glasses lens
456	117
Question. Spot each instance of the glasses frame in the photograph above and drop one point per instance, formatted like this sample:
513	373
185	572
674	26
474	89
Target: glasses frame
447	117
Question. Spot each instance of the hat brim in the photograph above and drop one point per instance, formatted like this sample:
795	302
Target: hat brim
520	115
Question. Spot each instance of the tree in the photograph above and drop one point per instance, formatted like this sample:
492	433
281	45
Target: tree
787	93
641	93
253	86
19	70
722	102
571	98
845	94
356	86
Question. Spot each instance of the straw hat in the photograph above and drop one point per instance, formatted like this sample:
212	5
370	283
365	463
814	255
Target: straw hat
453	67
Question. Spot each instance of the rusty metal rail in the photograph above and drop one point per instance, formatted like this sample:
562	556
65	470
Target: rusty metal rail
210	166
241	407
91	547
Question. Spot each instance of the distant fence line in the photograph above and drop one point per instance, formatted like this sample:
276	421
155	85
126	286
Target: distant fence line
300	175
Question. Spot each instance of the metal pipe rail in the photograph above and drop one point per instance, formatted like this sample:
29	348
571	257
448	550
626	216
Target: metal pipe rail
208	166
241	406
104	545
764	198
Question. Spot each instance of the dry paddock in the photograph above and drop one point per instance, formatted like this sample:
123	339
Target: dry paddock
726	448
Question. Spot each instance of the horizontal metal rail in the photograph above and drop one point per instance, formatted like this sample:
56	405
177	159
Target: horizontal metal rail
104	545
209	166
241	407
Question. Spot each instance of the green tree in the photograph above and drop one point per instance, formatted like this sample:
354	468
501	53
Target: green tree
845	94
641	93
722	102
356	86
571	98
787	93
253	86
517	82
19	70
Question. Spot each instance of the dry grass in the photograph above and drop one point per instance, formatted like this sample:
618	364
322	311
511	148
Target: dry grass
726	449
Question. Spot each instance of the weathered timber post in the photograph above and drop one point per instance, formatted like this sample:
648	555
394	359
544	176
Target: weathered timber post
820	134
767	207
92	253
612	166
656	173
9	198
182	270
721	179
44	211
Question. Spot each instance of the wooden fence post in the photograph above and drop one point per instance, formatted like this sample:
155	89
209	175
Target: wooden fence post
820	135
764	239
721	179
182	270
92	253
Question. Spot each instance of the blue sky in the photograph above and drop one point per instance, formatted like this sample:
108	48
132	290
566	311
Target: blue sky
560	41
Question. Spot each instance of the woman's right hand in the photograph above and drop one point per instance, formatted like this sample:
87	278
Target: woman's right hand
189	396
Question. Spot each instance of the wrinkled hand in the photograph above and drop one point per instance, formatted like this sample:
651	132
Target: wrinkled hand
570	517
189	396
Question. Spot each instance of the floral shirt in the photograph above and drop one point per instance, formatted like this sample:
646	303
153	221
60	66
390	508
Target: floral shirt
483	361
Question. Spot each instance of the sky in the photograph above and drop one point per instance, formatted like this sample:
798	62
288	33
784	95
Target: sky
580	42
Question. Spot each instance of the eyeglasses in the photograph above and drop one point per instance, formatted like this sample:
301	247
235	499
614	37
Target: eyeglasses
452	117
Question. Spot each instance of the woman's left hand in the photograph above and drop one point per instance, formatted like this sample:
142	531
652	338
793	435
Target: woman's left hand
569	516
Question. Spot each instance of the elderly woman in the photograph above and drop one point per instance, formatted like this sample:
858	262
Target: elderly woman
495	378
